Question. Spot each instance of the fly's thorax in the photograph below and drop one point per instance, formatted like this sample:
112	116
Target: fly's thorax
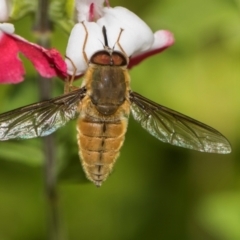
108	88
89	111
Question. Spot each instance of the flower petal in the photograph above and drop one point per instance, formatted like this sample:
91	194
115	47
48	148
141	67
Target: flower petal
4	9
48	63
162	40
75	58
7	28
11	68
89	10
57	62
136	35
41	58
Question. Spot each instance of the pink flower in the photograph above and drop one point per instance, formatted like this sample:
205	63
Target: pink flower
137	39
48	63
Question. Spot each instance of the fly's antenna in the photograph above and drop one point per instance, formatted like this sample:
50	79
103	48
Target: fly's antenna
106	47
104	31
118	42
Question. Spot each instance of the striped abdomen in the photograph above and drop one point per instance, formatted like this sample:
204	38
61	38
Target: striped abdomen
103	119
99	144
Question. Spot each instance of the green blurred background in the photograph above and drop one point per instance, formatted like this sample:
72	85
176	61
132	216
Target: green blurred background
156	191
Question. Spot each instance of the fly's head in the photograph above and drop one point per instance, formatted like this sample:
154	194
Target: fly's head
108	56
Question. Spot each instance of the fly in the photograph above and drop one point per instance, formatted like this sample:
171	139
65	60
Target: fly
102	106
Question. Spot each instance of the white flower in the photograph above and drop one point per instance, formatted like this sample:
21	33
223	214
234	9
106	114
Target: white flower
137	39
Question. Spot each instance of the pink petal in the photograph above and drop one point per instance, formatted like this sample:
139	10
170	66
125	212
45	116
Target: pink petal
89	10
162	40
48	63
11	68
107	3
55	59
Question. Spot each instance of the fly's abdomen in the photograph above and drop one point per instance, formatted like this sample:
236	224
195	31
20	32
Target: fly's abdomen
99	144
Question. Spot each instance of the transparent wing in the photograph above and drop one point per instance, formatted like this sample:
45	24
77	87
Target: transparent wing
175	128
40	119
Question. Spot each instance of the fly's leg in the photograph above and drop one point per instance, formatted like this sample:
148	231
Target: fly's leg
118	43
68	86
85	43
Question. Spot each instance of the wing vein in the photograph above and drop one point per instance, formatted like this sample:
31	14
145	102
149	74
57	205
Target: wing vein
175	128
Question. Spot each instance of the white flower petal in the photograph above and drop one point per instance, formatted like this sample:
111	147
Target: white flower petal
75	45
7	27
162	39
4	10
83	9
136	35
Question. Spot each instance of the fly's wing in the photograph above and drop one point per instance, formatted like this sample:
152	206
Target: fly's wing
175	128
40	119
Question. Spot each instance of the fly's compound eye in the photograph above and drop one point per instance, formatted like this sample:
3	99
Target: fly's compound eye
119	59
101	58
107	58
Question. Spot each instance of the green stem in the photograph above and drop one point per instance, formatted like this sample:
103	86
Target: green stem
42	29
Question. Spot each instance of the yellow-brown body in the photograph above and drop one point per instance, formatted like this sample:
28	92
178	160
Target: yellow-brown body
101	132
